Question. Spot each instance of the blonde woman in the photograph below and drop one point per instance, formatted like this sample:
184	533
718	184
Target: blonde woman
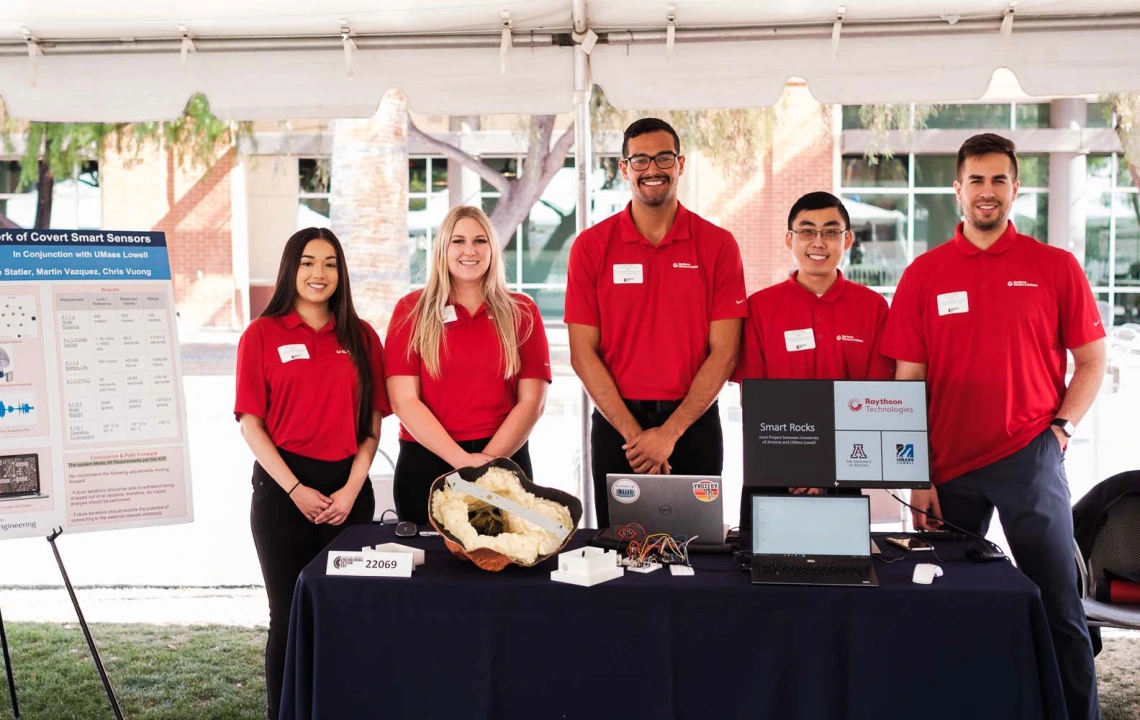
467	363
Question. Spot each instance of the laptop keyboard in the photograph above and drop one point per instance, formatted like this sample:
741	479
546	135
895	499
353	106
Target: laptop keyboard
820	570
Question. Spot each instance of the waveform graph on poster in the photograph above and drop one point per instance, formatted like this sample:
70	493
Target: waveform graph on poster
91	382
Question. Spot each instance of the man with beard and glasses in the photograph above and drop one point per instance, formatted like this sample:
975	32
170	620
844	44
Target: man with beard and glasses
654	303
986	319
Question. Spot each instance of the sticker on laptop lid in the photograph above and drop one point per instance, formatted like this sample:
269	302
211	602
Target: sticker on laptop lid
706	490
625	491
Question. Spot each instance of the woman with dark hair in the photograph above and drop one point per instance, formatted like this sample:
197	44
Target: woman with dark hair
310	397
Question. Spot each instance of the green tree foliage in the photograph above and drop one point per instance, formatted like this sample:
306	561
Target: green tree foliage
54	150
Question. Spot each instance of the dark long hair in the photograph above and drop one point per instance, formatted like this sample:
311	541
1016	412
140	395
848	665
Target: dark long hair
349	332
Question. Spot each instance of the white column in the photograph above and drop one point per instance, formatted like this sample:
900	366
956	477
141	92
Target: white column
1067	180
463	185
239	239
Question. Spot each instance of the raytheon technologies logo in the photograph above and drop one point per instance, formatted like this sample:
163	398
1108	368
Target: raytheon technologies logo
879	405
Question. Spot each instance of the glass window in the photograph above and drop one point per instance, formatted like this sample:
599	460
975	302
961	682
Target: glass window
427	206
315	175
1126	309
511	246
935	171
548	230
936	219
507	166
9	177
313	212
986	116
858	171
1124	174
1127	251
1098	212
879	253
1033	115
1031	215
417	175
851	119
1098	169
551	301
1099	115
1033	170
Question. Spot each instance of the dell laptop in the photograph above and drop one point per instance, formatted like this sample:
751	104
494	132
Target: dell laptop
19	476
684	506
812	540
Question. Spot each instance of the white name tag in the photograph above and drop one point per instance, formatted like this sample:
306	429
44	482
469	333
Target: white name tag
449	314
953	303
797	340
628	275
293	352
370	564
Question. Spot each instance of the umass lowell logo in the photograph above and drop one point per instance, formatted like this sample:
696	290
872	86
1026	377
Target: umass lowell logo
904	454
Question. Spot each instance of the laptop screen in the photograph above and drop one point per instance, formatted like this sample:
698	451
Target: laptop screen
807	525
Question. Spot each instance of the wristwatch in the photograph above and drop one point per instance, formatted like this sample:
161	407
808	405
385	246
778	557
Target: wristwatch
1067	428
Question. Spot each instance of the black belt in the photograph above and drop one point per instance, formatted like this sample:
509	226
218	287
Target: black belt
653	406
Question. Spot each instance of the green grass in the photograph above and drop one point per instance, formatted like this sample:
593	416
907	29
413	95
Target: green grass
215	673
158	672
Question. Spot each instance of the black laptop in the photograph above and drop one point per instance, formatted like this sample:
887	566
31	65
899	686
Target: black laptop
812	540
19	476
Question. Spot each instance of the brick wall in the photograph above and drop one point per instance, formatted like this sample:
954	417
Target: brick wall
369	202
755	208
193	207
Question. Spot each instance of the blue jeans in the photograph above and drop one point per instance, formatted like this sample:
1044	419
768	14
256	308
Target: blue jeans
1031	494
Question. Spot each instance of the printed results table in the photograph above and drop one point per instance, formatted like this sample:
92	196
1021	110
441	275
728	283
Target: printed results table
117	367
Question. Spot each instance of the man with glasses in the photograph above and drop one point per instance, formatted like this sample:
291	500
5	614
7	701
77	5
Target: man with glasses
816	324
654	302
986	319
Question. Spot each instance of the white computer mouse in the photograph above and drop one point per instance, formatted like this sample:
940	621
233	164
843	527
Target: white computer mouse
924	573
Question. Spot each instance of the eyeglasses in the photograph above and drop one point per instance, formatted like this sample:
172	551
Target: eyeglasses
664	160
812	233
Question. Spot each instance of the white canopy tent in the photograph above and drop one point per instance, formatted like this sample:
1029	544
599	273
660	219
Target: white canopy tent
73	60
135	60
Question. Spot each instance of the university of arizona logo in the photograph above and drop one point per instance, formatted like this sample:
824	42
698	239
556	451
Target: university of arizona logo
706	490
857	452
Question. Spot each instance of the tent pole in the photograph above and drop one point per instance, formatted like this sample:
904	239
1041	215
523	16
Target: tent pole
582	165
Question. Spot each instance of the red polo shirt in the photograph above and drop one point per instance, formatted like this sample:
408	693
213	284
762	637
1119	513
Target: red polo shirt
792	334
654	303
304	385
470	398
992	327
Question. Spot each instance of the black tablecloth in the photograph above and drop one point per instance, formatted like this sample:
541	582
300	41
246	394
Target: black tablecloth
457	642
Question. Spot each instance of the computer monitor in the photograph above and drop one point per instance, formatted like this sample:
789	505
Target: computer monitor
835	433
801	525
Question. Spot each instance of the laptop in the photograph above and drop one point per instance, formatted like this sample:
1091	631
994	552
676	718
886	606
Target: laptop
687	506
19	476
812	540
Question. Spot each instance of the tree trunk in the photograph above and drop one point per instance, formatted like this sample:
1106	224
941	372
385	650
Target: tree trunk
45	187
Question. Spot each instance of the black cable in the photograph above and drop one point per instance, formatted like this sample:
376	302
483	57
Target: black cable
389	510
944	521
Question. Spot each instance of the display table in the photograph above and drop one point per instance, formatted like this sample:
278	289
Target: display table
457	642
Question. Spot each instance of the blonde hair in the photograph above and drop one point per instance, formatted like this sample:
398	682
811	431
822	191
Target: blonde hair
428	337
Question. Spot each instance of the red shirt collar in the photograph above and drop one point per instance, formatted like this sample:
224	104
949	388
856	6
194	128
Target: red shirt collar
293	320
1002	244
833	293
679	230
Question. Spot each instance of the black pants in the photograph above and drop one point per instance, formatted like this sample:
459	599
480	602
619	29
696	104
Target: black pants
699	451
1030	491
417	468
287	541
